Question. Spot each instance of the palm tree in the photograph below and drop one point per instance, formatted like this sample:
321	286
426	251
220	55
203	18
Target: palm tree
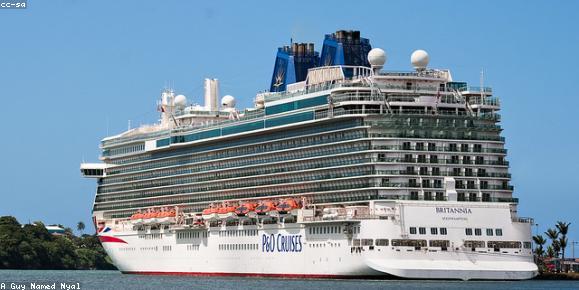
539	241
563	229
554	236
563	245
556	247
80	227
550	252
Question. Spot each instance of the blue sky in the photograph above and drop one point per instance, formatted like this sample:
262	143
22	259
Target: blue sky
71	71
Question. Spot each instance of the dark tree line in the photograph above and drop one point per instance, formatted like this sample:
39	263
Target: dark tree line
32	247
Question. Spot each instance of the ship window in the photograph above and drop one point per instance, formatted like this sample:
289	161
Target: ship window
414	195
431	146
408	243
412	230
468	231
438	183
452	147
443	231
477	232
433	159
472	195
498	232
486	197
489	232
468	171
434	231
422	231
420	146
482	172
367	242
454	159
464	147
428	195
381	242
474	244
439	243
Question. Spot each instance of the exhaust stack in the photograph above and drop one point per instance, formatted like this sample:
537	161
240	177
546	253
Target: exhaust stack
211	94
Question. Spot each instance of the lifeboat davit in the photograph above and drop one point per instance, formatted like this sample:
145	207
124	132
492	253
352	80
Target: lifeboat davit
287	205
210	213
265	208
245	209
226	212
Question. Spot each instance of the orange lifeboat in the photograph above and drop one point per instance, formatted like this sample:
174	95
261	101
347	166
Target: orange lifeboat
265	207
245	208
287	205
137	218
166	217
210	213
226	211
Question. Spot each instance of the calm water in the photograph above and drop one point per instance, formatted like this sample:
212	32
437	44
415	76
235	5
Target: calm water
115	280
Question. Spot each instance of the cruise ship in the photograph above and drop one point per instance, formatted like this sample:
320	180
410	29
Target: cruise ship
341	169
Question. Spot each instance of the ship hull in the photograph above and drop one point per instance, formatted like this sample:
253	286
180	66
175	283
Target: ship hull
318	249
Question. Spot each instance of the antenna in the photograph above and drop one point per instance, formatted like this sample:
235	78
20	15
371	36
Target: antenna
129	124
482	79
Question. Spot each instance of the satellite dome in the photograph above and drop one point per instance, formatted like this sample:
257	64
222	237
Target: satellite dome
377	57
228	101
180	101
419	59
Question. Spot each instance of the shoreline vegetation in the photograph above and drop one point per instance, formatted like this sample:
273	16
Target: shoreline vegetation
32	247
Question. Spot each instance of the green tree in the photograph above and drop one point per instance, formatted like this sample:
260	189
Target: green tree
563	229
10	237
554	236
80	227
550	252
539	242
33	247
539	252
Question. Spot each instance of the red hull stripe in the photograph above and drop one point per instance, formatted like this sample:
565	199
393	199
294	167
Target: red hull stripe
109	239
222	274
